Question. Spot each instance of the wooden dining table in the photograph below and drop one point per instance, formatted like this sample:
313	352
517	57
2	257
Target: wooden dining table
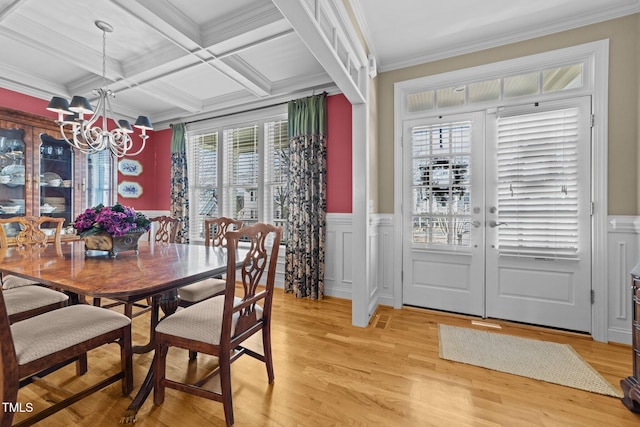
155	270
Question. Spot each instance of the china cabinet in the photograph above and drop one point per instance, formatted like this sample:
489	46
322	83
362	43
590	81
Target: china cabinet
631	385
40	174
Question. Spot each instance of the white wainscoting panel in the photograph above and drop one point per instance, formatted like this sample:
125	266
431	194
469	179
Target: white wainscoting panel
623	254
338	275
385	266
338	271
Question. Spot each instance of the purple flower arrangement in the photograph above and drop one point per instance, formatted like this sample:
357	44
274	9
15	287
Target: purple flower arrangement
116	220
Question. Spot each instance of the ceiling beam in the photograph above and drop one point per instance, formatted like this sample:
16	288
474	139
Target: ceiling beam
306	25
188	38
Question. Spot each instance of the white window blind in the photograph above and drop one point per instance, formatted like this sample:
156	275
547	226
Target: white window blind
241	173
203	181
538	184
100	175
276	176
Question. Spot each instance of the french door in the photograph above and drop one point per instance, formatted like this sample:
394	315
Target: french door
496	214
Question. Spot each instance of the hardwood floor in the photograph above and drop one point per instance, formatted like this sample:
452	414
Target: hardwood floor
329	373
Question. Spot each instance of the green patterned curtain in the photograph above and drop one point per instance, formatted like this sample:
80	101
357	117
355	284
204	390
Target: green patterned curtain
179	182
304	271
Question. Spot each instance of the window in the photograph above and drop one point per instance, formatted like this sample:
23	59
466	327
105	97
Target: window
440	188
546	80
100	173
241	173
238	168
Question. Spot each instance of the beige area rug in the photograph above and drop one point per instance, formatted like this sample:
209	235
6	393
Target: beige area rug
541	360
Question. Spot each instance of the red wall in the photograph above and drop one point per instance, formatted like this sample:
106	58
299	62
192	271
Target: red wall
155	176
339	152
156	157
18	101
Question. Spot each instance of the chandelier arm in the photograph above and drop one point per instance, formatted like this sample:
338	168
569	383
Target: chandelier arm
122	143
73	144
78	140
144	141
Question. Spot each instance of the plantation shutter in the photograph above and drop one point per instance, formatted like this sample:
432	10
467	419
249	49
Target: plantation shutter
202	163
241	173
538	186
276	174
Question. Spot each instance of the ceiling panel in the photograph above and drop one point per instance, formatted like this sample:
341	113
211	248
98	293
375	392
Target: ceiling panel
203	82
282	59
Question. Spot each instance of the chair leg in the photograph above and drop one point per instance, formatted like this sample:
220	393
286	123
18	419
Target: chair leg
268	355
81	364
225	385
193	355
128	310
9	394
126	361
159	373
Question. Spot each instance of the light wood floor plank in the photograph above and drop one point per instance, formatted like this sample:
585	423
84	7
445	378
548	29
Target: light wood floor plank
330	373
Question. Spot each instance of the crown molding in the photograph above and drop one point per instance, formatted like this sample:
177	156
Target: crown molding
550	28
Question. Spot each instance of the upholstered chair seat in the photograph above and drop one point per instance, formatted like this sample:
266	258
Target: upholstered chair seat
201	290
202	321
57	330
28	299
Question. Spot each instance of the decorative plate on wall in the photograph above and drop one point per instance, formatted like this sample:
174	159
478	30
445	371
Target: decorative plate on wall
129	167
129	189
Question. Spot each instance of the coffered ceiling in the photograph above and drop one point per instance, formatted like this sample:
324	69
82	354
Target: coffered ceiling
188	59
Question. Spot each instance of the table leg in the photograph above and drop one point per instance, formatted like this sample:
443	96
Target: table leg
140	349
168	302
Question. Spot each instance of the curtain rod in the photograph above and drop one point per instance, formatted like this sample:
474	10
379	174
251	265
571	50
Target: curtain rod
325	93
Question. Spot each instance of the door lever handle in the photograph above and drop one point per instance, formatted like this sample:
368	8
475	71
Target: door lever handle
476	223
494	224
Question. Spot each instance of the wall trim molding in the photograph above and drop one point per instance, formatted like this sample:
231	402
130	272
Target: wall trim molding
623	224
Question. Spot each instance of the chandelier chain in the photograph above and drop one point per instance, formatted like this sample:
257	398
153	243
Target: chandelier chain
104	58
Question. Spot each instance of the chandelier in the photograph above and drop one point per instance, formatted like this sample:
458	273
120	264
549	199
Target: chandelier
92	135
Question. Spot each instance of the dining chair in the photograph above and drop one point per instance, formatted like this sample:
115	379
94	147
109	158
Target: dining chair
34	347
219	326
164	229
25	298
215	230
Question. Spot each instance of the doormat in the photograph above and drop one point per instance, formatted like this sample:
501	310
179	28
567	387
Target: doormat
542	360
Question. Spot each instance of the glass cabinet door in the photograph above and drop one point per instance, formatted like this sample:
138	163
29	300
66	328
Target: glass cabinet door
12	172
56	178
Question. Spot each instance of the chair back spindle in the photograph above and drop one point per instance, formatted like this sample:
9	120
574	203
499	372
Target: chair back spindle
166	229
31	234
220	226
257	260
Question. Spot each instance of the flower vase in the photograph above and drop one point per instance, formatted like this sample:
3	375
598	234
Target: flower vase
105	242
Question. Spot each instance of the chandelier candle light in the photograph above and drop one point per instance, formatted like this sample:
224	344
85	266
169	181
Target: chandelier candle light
85	135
